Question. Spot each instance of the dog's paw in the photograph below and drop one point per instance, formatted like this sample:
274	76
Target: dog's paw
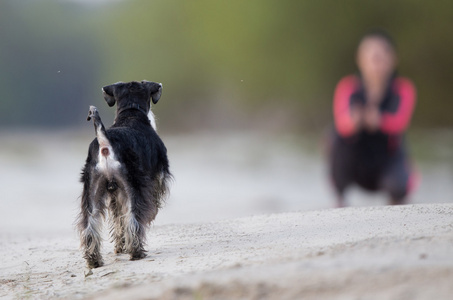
94	260
92	113
93	264
138	255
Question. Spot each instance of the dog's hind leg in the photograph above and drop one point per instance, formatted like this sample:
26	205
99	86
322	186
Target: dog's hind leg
117	224
90	221
136	225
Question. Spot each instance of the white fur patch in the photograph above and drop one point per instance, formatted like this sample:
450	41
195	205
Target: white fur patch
152	119
102	139
106	163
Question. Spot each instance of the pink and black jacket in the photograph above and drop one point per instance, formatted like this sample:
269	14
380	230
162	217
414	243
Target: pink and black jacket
396	108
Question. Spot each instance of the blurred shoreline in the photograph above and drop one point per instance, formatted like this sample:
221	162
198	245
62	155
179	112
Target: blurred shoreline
218	175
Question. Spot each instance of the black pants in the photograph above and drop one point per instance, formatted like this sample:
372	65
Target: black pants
371	162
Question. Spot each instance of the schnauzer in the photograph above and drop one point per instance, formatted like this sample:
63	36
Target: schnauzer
126	173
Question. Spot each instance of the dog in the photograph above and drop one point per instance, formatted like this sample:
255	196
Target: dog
126	173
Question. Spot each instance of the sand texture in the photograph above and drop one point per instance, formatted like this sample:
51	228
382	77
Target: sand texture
399	252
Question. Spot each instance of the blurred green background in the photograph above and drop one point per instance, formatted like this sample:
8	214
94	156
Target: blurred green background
223	64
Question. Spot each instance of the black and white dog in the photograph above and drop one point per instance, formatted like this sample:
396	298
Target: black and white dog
126	172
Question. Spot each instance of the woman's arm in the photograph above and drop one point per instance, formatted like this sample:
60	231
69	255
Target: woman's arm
397	122
346	118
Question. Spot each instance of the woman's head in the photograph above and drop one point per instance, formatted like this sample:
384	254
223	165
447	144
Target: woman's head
376	55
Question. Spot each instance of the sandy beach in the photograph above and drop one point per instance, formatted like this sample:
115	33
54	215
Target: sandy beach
253	222
401	252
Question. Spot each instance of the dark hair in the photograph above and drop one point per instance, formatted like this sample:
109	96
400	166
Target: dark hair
380	34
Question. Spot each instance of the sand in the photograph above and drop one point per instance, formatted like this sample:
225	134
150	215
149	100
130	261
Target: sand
399	252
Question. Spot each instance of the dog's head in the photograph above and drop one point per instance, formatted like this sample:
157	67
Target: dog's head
132	94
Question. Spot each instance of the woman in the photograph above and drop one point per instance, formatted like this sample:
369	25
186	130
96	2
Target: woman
372	110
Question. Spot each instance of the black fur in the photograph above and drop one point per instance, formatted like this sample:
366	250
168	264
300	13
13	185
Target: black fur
126	172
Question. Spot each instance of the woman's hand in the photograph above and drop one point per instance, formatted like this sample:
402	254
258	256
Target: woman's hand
366	117
357	116
371	118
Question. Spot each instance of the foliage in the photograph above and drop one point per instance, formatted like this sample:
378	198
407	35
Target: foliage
222	63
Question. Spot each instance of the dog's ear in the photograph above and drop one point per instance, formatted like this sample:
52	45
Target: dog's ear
109	94
155	90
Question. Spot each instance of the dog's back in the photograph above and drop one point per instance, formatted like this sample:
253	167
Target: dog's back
133	147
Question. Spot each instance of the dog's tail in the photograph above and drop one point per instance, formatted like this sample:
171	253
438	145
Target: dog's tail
104	144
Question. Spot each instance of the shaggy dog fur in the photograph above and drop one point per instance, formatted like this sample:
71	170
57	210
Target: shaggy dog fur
126	173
